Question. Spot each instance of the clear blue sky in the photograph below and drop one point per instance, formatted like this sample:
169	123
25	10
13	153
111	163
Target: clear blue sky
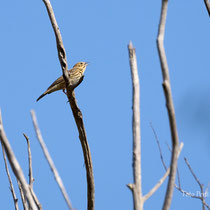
99	32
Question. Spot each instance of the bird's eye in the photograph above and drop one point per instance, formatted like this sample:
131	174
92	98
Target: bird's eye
81	63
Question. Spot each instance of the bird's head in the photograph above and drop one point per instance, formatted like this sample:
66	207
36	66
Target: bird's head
80	65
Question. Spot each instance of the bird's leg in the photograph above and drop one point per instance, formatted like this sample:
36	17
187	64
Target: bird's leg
64	90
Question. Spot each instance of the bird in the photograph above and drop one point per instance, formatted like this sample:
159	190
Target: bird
75	75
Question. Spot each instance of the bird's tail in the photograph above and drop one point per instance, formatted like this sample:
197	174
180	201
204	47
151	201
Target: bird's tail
41	96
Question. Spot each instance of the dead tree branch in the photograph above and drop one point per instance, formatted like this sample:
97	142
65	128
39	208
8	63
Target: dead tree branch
31	179
16	167
202	194
178	187
136	188
50	161
169	105
24	202
75	109
155	188
10	180
30	174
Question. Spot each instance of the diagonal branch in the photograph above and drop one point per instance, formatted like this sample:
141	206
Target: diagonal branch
207	4
136	188
75	109
10	180
50	161
155	188
15	166
199	183
169	105
178	187
59	42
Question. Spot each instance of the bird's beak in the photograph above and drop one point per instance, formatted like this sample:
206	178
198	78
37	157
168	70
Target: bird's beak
87	63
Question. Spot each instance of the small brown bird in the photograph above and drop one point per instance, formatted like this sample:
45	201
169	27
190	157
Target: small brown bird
75	75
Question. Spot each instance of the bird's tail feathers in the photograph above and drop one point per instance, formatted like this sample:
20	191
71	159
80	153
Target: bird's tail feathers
45	93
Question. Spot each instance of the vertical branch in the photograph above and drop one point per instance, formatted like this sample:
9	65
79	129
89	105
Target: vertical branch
50	161
10	180
169	105
136	187
30	174
15	166
75	109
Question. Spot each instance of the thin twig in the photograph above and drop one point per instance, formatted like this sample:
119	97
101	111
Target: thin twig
197	180
24	202
30	174
75	109
179	188
35	198
31	179
50	161
178	178
158	143
15	166
169	105
155	188
207	4
136	187
10	180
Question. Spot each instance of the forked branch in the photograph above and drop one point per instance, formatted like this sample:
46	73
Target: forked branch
16	167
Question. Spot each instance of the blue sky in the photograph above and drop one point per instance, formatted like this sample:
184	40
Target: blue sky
98	32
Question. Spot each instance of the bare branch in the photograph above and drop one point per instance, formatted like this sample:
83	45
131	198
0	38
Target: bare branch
50	161
85	147
10	180
202	197
197	180
75	109
59	42
15	166
24	202
169	105
136	187
35	198
207	4
30	174
158	143
155	188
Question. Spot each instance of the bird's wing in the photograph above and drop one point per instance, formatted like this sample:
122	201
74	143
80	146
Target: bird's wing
57	81
60	79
